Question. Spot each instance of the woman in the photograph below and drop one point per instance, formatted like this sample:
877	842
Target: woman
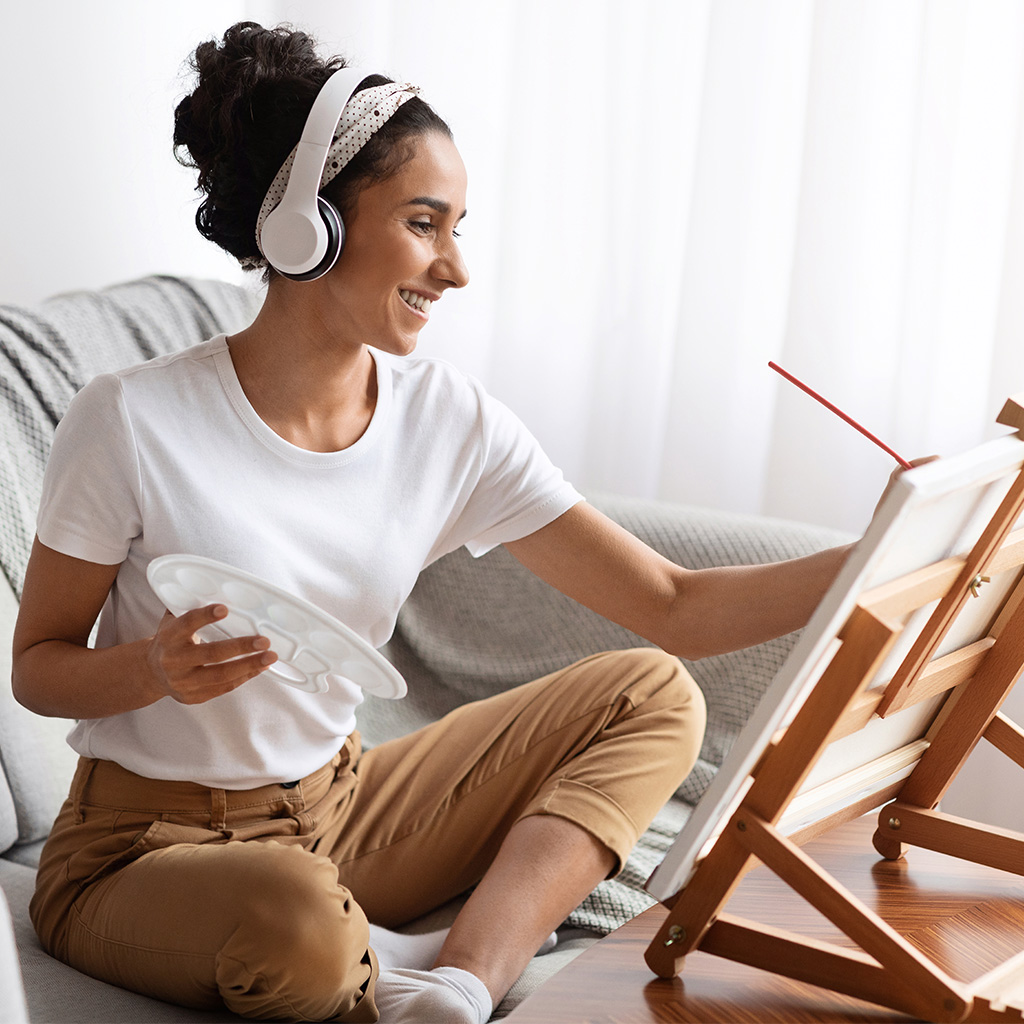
225	841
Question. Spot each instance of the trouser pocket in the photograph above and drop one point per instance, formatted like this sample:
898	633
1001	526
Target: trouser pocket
108	853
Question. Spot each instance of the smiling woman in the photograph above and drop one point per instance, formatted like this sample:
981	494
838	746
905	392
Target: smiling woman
226	841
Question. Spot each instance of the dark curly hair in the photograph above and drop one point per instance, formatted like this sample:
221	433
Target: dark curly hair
254	91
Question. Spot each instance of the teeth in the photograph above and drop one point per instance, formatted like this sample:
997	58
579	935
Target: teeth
420	302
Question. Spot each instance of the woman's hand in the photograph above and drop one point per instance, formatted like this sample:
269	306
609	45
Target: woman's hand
56	673
193	672
895	475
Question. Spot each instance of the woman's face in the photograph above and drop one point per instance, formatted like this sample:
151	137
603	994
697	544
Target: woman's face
401	252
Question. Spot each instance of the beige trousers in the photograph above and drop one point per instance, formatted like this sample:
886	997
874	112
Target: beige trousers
258	900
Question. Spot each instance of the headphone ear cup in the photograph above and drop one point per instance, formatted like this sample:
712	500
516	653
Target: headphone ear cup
335	242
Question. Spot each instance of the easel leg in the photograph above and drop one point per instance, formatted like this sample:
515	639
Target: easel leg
697	906
668	948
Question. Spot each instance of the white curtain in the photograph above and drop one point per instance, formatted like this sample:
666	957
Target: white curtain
666	194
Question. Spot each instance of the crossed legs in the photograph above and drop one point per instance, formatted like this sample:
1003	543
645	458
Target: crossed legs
531	797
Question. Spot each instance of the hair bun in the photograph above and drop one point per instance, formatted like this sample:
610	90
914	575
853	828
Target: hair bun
253	92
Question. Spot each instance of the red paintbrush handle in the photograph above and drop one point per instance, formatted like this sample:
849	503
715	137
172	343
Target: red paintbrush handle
839	412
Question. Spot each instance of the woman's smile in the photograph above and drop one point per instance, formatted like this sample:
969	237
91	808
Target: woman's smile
416	301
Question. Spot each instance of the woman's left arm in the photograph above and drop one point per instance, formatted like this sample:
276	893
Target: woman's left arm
692	613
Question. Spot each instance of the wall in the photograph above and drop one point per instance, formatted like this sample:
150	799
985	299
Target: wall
91	193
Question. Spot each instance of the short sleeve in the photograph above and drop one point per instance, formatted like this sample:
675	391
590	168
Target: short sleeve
519	489
90	507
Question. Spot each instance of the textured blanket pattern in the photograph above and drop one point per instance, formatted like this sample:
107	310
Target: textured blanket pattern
48	352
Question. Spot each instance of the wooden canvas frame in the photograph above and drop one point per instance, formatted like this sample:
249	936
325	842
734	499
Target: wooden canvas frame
900	673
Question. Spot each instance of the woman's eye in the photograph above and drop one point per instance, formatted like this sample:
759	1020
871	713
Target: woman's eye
426	227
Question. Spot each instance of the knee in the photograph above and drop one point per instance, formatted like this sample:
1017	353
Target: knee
662	685
671	706
301	939
687	696
296	897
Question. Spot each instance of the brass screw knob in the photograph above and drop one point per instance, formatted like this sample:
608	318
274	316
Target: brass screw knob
977	582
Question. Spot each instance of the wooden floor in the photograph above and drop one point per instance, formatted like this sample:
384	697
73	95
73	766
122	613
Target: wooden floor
965	918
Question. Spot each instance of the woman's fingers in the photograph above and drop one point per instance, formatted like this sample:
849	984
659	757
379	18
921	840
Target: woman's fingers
208	681
191	671
189	623
896	474
213	651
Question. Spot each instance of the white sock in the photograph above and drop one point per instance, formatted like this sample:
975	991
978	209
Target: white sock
395	949
418	952
445	995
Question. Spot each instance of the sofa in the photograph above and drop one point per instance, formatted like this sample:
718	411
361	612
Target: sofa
471	628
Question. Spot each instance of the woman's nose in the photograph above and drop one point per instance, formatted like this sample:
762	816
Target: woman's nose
451	268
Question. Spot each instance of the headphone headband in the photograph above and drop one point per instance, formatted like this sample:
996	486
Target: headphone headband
298	231
293	237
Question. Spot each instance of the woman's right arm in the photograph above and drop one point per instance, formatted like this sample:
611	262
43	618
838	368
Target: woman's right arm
58	675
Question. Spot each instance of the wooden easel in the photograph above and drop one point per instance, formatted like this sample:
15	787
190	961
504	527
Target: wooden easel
886	969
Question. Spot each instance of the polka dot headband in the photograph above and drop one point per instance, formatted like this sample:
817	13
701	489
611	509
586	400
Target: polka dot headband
364	114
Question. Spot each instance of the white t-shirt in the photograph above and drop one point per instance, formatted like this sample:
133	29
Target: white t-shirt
170	457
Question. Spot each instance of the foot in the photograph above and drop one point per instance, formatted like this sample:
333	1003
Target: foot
445	995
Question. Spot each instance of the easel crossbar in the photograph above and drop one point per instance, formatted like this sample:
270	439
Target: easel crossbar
848	971
908	593
945	833
935	992
1007	737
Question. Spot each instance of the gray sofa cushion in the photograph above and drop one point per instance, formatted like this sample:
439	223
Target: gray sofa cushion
12	997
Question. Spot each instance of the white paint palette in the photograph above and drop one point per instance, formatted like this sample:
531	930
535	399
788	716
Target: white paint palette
313	648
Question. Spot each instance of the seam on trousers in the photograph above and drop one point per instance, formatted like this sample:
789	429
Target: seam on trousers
582	785
605	708
420	824
162	950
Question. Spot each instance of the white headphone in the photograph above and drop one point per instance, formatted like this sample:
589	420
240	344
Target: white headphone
303	235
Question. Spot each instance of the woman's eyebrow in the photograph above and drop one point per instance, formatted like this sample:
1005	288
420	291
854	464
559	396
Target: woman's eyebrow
435	204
